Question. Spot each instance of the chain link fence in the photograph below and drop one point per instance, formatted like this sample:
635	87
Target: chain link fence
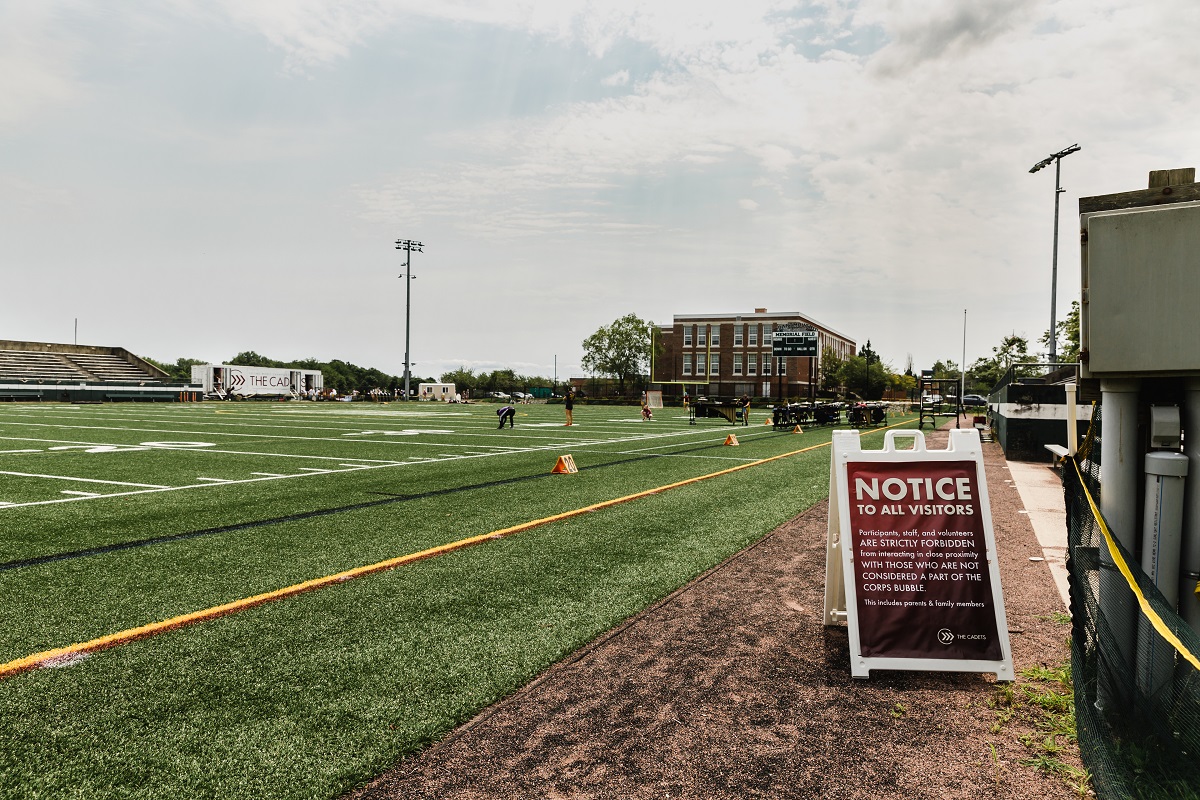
1134	660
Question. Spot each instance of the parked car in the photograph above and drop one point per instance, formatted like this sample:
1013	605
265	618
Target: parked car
931	399
974	401
499	395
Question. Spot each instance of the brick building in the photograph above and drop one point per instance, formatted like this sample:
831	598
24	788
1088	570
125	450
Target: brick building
728	355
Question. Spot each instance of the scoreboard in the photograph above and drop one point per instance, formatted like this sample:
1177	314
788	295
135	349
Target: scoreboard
794	343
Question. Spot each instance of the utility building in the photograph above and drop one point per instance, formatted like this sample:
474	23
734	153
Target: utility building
728	355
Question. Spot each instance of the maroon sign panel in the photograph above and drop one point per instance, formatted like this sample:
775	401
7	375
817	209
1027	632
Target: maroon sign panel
920	562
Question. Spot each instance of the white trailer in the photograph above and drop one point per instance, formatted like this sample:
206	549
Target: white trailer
443	392
225	380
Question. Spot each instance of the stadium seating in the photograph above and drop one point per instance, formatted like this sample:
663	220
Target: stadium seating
27	366
35	363
108	367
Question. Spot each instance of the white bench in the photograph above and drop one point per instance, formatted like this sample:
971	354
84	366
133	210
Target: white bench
1058	450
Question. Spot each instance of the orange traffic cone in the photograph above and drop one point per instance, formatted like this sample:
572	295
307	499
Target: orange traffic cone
565	465
797	429
731	440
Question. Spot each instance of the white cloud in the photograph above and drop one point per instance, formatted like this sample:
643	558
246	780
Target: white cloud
619	78
36	54
881	144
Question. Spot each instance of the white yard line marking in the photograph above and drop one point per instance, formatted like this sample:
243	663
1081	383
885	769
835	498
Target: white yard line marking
81	494
213	480
8	452
83	480
307	472
145	448
270	474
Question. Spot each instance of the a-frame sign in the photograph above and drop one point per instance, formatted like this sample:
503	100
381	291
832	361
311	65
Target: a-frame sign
911	558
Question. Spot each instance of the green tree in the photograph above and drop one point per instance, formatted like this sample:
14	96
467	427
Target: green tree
866	378
620	350
869	355
987	372
181	370
462	378
249	358
945	370
1067	341
831	369
905	384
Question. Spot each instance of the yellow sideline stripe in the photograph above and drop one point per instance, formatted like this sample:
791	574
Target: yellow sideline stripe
131	634
1150	613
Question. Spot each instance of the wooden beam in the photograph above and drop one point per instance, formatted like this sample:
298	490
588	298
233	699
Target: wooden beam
1160	178
1141	197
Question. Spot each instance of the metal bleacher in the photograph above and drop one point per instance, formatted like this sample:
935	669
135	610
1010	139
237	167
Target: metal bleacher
23	365
26	365
108	367
75	373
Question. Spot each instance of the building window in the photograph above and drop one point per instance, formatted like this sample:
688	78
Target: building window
737	335
714	368
687	335
752	363
716	335
766	335
754	336
767	364
700	363
687	363
701	335
737	362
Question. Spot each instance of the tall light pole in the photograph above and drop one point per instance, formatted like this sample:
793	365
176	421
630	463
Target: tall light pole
407	245
962	372
1056	159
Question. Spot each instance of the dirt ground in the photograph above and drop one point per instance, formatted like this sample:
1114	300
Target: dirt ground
732	688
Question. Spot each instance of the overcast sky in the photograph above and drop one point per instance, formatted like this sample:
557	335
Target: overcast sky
193	179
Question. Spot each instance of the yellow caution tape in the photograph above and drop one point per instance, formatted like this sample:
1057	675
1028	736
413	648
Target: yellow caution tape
1123	567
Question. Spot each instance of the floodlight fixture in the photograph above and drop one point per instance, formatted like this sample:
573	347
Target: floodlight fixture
1056	159
408	246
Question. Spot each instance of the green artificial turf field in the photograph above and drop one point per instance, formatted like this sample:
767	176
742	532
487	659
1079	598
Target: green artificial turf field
120	516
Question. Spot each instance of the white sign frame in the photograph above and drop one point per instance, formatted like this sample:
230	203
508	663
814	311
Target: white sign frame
841	600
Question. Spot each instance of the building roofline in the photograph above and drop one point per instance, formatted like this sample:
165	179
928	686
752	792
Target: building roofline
778	315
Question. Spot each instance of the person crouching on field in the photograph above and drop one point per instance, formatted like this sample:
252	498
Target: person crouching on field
506	413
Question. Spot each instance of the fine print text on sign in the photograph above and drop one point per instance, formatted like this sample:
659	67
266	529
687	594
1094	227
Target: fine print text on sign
918	545
910	563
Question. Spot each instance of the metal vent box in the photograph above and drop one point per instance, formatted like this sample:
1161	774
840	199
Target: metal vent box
1140	309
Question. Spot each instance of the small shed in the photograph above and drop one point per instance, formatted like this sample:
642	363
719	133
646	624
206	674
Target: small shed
436	391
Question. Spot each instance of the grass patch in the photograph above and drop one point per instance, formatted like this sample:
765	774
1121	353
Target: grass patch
307	697
1042	702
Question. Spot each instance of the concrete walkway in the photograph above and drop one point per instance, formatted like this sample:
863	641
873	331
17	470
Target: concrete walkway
1042	495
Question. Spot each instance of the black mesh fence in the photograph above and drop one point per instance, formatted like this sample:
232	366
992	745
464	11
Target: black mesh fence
1137	687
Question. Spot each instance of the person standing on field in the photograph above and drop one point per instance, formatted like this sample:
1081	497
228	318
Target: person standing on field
569	405
506	413
745	409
